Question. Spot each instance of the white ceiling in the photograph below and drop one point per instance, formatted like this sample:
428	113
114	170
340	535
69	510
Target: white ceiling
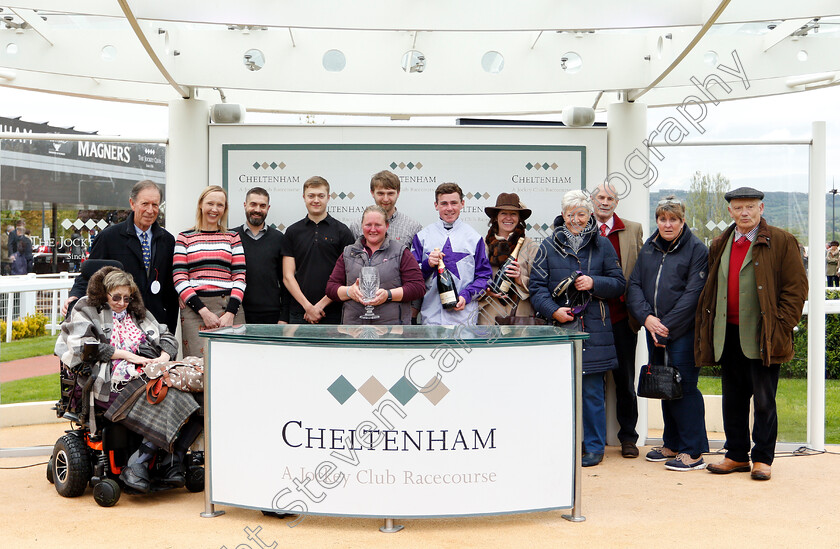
155	51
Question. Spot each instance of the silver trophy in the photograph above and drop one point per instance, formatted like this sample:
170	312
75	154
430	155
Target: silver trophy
369	284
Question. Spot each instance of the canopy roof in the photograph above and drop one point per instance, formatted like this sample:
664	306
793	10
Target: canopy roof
412	58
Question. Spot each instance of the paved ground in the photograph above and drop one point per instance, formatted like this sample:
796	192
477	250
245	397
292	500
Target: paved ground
28	367
627	503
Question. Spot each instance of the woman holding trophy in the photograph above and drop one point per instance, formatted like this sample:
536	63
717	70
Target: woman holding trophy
376	277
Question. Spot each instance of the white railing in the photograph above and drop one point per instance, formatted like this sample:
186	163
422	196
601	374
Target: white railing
28	287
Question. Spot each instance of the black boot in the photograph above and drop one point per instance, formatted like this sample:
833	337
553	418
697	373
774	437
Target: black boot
176	474
136	476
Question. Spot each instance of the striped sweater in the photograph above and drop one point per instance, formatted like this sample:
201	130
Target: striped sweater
209	263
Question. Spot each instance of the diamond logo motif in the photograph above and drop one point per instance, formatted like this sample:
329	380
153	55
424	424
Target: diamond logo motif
101	224
282	165
265	165
341	389
90	223
333	195
273	165
410	165
711	225
66	224
403	390
545	165
486	196
440	390
341	195
372	390
419	166
256	165
393	165
402	165
469	195
529	165
722	225
350	195
554	166
78	223
281	227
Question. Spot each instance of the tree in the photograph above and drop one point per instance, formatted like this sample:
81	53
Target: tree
705	205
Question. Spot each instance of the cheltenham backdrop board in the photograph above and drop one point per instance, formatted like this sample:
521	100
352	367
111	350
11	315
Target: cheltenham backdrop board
540	164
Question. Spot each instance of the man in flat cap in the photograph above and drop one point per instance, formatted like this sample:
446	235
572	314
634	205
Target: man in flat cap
745	319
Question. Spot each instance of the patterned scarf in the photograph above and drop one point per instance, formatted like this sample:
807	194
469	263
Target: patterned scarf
498	250
126	336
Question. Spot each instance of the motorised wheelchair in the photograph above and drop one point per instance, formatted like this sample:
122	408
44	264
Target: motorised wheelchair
96	450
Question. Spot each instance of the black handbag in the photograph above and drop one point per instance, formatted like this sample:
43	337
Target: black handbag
659	379
149	349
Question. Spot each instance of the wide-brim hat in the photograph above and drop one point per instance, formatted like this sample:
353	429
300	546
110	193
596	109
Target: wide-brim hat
509	202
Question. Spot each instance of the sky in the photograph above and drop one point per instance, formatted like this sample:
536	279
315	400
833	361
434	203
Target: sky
775	168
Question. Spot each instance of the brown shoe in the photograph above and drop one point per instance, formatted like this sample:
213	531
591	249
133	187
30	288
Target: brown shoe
629	449
760	471
728	466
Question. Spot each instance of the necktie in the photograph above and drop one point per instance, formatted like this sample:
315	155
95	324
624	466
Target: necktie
742	240
147	251
604	230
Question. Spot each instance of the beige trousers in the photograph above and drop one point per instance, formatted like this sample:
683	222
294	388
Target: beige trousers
192	324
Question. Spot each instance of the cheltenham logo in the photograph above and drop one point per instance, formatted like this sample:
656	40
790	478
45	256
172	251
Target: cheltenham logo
477	196
342	195
266	165
543	166
372	390
403	165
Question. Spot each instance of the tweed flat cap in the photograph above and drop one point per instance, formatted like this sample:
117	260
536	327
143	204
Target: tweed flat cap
744	192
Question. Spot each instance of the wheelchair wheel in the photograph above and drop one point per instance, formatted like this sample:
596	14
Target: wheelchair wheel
106	493
71	466
195	479
50	471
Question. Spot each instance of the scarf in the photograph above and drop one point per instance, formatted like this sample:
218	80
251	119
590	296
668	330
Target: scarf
498	250
126	336
575	241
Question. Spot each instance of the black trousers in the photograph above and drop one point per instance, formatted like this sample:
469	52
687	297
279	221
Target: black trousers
743	378
626	409
331	317
262	318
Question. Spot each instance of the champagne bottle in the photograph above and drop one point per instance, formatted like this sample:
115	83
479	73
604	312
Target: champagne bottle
446	286
501	282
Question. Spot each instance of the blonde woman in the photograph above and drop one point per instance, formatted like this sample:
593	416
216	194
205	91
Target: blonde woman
209	271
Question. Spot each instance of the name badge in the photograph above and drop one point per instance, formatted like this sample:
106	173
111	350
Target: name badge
155	287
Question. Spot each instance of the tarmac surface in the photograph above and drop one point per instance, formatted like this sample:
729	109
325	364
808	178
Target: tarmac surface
626	502
28	367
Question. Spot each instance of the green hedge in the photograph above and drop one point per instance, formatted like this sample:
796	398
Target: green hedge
798	367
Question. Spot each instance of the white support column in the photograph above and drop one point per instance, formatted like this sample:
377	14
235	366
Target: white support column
816	289
186	161
626	129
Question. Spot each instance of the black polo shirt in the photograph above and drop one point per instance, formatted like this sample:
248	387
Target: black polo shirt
316	247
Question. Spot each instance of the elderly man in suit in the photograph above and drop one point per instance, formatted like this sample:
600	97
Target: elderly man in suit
626	238
752	300
145	250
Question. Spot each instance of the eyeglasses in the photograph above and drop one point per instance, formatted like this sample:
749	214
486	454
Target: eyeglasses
664	201
117	298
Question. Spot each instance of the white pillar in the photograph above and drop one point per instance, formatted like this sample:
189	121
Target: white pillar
186	161
816	289
626	130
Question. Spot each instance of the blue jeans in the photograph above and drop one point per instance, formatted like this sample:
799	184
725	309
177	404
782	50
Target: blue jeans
685	418
594	413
